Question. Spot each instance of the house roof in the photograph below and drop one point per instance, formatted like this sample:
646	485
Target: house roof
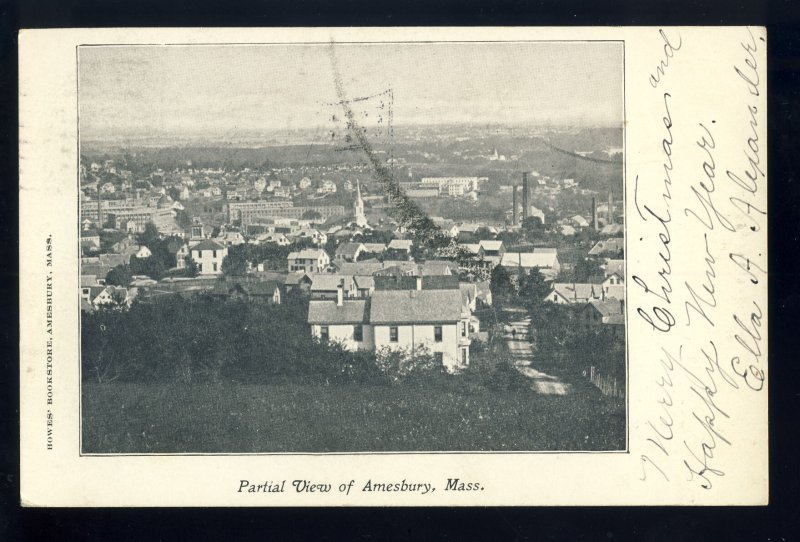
576	291
364	282
613	244
306	254
208	244
540	258
359	268
415	306
472	248
614	266
348	249
489	245
374	247
612	229
400	244
437	267
607	308
329	282
616	291
295	278
351	311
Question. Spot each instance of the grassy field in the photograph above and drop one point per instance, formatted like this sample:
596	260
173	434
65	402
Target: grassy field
293	417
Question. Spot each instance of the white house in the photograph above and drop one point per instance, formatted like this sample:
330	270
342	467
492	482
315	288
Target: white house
143	252
209	255
308	260
406	320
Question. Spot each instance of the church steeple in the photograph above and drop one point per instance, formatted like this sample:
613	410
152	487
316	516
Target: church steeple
358	206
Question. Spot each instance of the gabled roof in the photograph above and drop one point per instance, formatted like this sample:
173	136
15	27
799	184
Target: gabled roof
472	248
415	306
306	254
577	291
359	268
352	311
363	282
493	246
438	267
296	278
541	259
349	249
329	282
607	308
374	248
400	244
208	244
613	244
614	266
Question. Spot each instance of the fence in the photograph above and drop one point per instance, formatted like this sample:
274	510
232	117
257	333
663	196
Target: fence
607	385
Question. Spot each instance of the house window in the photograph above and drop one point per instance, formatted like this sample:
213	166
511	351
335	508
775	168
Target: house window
358	333
201	254
323	333
393	334
463	329
437	334
214	254
214	265
464	356
200	267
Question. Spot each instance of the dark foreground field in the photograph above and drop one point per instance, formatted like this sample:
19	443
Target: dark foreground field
291	417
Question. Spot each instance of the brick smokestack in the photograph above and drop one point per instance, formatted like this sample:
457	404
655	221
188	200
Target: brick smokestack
524	195
594	213
513	205
610	207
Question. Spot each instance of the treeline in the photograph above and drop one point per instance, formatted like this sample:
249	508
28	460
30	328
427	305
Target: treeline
188	339
239	257
564	344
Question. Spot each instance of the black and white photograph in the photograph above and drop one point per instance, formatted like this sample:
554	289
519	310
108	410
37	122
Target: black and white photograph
352	247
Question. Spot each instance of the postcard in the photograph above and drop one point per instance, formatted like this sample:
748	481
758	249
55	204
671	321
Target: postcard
393	266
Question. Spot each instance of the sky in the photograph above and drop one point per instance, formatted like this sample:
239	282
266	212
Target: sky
217	90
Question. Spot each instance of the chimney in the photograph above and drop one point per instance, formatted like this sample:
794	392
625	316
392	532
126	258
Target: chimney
513	205
524	195
610	207
419	283
594	213
340	293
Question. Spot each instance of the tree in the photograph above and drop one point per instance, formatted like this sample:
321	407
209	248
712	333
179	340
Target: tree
586	269
119	276
532	226
150	236
500	284
190	269
235	263
311	215
153	267
532	287
483	233
183	219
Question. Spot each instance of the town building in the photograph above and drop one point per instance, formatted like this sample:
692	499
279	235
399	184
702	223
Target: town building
209	256
348	252
398	320
308	260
